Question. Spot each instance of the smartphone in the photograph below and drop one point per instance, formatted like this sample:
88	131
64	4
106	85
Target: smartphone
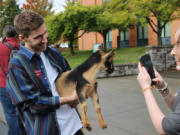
146	62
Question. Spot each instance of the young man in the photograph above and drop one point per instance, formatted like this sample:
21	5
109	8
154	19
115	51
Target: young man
11	116
170	124
42	110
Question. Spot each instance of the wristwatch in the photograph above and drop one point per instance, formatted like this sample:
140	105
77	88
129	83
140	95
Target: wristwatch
164	91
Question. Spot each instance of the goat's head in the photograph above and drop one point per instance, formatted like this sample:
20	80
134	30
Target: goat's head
107	60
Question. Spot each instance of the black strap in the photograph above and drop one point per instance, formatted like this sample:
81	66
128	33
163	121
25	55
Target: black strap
3	70
9	46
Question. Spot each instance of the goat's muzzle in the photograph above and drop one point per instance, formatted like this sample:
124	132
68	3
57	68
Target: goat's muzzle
110	70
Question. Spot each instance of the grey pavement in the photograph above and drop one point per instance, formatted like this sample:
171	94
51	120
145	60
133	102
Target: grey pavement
123	107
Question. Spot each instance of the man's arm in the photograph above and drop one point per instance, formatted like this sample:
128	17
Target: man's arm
23	91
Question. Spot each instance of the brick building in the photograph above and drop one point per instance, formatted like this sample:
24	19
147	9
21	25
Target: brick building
137	36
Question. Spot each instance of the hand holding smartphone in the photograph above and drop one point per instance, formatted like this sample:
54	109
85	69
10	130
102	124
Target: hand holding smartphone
146	62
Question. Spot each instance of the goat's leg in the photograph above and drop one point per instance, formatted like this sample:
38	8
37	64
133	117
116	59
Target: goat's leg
79	116
95	99
85	121
83	105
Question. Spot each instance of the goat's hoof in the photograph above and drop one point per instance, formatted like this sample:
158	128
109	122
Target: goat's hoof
87	126
104	125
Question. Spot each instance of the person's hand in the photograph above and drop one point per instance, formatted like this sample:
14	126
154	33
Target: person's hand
74	100
143	77
159	82
71	100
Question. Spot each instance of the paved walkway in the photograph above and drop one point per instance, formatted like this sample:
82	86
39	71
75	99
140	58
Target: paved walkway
123	107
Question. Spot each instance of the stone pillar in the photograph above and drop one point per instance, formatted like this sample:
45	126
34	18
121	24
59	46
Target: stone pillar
161	57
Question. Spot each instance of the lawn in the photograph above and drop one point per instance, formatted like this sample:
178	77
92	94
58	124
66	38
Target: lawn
122	56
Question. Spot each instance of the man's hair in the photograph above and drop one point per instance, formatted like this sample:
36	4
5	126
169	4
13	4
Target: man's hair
27	21
9	31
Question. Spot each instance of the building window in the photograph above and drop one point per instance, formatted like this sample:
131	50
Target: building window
109	39
166	34
142	32
123	39
109	36
124	35
142	35
166	31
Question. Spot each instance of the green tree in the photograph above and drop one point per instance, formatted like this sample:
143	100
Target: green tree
43	7
87	18
145	10
9	10
67	24
107	19
55	27
1	5
104	21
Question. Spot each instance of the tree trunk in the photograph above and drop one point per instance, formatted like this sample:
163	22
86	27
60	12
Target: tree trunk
71	47
104	36
159	32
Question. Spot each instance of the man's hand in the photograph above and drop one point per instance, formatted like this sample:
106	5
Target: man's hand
74	100
71	100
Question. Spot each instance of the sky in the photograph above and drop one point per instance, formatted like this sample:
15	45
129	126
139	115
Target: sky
57	4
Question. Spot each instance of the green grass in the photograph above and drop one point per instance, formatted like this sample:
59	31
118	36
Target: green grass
122	56
128	55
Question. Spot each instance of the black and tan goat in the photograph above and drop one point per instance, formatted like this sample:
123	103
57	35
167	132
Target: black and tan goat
82	79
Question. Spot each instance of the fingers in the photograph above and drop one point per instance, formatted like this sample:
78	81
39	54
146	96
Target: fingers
142	69
139	67
74	104
158	77
156	73
155	79
75	99
75	95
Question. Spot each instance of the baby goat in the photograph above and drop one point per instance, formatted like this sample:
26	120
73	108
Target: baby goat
82	79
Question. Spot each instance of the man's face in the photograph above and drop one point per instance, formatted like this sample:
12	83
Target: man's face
37	40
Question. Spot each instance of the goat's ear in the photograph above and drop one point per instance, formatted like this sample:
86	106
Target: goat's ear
110	53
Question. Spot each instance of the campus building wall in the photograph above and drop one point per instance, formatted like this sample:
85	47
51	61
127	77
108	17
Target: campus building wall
90	2
87	41
133	37
152	36
115	34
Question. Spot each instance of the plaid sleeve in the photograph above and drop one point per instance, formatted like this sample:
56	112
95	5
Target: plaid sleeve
23	91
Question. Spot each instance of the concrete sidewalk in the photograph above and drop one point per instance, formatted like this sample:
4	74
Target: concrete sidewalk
3	126
123	107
